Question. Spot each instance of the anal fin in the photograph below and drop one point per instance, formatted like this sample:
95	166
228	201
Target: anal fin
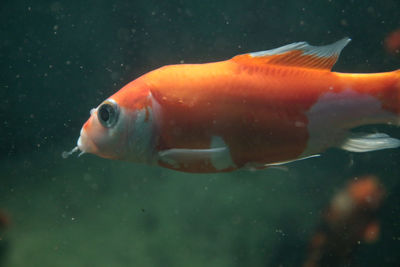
369	142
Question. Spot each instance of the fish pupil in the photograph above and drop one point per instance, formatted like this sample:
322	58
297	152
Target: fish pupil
104	114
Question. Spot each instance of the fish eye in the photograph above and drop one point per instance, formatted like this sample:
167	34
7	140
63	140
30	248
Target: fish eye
108	113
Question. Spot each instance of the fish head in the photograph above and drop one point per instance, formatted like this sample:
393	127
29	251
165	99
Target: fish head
106	131
122	127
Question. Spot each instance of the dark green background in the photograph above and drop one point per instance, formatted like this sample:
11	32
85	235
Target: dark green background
58	59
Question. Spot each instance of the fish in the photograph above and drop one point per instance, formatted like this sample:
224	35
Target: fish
5	221
351	218
253	111
392	42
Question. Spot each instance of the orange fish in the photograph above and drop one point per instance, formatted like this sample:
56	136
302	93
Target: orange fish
392	42
351	217
255	110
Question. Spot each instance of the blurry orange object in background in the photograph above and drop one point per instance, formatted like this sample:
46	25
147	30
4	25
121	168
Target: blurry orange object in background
392	42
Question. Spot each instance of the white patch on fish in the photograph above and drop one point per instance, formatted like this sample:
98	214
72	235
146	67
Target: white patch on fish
223	160
141	142
334	114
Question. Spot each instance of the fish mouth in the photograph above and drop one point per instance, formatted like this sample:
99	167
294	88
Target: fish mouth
84	145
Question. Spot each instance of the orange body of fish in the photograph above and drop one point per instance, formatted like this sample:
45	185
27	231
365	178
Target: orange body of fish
255	110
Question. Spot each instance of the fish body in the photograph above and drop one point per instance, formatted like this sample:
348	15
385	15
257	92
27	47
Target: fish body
255	110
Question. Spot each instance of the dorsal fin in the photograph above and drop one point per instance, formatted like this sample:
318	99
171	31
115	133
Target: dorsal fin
299	54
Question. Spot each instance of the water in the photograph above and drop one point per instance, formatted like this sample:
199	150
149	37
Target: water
60	59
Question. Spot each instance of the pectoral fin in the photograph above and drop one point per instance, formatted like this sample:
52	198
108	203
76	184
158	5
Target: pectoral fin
218	155
175	156
362	142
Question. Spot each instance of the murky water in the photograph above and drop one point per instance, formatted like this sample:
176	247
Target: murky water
60	59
